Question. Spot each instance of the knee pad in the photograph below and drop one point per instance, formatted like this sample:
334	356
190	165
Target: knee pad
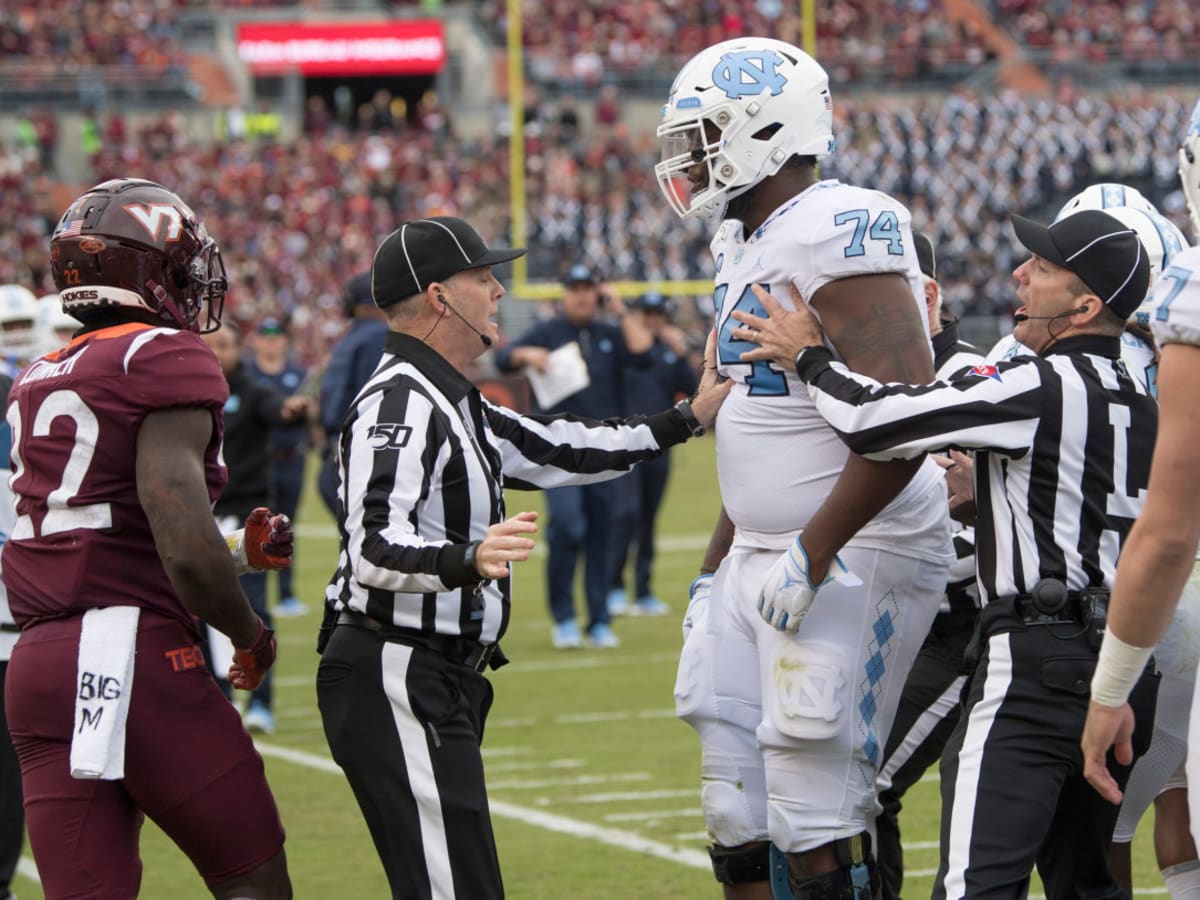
727	814
745	865
856	878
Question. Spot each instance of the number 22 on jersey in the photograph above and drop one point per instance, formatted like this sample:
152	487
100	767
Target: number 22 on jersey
60	515
763	381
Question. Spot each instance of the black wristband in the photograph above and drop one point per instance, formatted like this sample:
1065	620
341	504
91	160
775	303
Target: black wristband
469	559
684	408
810	360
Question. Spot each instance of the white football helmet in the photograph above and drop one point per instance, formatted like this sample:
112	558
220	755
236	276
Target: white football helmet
18	322
1106	195
1159	235
765	102
53	324
1189	169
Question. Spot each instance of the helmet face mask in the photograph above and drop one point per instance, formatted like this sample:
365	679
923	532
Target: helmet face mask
135	244
741	109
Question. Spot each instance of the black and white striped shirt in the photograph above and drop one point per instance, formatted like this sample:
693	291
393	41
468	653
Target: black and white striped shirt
422	465
950	356
1063	452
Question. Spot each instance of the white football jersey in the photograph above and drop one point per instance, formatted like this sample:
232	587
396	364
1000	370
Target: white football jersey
777	459
1175	300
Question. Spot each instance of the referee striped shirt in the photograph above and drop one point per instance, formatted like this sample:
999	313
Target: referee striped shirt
422	464
950	356
1063	447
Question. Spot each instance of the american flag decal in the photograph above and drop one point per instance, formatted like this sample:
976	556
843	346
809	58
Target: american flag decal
72	229
828	103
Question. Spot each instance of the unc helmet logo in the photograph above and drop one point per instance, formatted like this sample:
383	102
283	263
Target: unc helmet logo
747	73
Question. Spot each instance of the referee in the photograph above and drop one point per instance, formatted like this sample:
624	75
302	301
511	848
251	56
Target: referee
420	597
930	701
1063	445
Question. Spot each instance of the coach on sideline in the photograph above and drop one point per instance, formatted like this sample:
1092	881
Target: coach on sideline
1063	445
420	597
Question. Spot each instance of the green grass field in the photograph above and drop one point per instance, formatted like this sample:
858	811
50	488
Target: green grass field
593	782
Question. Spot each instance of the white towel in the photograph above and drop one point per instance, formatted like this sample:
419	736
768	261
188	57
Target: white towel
103	686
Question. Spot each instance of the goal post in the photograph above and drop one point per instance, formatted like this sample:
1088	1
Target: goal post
522	287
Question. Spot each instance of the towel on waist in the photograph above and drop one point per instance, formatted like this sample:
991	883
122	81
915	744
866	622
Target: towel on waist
103	686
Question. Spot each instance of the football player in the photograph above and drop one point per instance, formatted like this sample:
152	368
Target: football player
18	326
113	555
1159	554
1161	777
792	715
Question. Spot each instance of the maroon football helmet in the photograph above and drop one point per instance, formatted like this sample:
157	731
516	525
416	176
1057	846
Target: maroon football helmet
133	243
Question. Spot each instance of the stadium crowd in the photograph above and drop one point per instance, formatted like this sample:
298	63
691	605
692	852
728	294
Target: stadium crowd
585	45
296	219
1099	32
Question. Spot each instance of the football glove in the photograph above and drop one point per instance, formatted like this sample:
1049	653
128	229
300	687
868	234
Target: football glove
788	593
268	539
697	607
250	664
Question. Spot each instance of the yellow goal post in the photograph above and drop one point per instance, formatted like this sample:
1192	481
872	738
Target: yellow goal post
522	288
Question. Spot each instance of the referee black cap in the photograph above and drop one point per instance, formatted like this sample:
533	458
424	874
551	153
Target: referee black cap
421	252
1104	252
926	258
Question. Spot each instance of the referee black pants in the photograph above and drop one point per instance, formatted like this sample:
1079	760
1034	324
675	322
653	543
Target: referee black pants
929	709
405	724
1013	792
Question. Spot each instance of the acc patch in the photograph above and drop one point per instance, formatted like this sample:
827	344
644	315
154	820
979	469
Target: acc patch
388	436
986	371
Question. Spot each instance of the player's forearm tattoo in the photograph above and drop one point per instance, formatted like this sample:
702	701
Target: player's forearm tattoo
887	343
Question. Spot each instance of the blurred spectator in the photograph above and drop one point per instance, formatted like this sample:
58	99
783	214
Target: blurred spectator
251	412
351	363
638	495
580	517
273	364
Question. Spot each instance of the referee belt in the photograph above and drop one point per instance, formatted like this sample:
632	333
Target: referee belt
464	651
1072	610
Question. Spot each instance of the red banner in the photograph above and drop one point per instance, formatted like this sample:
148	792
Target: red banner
403	47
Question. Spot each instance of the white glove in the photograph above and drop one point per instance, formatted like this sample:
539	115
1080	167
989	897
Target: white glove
697	607
787	592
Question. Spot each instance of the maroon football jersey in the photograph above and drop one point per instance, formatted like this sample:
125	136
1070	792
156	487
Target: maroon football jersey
81	539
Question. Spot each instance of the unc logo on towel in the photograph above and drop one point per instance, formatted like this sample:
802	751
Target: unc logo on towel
388	436
748	73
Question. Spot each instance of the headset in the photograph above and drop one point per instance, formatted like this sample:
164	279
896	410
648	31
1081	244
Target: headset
1021	317
487	341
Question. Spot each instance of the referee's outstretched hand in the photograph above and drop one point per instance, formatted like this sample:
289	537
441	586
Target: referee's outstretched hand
781	333
1107	726
506	543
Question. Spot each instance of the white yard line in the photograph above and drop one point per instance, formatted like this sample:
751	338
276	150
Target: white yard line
535	766
27	869
696	859
692	812
514	784
624	796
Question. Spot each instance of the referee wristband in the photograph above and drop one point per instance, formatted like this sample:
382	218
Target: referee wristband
1117	670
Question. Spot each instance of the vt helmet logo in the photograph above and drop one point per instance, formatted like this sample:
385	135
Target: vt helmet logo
748	73
152	216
